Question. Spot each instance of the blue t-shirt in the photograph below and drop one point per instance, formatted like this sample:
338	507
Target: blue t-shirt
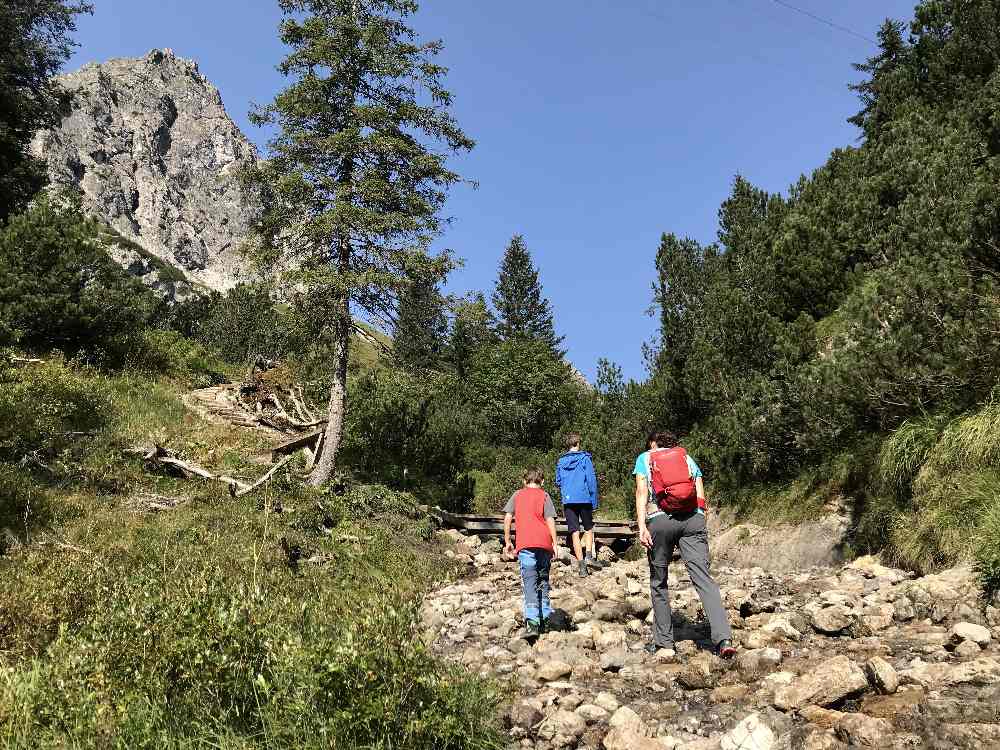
642	469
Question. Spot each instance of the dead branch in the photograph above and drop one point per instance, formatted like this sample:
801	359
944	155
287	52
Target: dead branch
264	478
161	456
150	502
63	545
305	407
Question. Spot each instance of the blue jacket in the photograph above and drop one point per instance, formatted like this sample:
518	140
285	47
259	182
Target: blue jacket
576	478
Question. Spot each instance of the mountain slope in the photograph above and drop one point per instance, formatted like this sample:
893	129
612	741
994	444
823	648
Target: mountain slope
149	145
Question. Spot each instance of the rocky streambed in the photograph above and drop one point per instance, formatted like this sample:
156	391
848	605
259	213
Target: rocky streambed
857	656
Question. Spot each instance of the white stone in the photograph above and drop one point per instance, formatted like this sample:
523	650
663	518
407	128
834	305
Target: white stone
750	734
968	631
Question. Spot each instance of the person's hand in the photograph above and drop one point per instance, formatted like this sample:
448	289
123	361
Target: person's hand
645	538
508	550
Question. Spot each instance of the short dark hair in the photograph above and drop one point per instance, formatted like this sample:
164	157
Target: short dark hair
534	475
666	439
572	440
651	438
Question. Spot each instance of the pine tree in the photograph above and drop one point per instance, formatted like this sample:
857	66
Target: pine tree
471	332
522	310
354	186
419	337
34	44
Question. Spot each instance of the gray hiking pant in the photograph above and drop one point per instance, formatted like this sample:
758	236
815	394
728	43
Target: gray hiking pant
689	532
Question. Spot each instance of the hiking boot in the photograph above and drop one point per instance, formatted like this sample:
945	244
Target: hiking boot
725	649
594	563
532	628
653	649
583	569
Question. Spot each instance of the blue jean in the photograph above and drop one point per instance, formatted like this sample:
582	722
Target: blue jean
535	564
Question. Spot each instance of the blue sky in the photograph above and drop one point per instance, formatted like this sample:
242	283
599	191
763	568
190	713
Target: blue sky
599	125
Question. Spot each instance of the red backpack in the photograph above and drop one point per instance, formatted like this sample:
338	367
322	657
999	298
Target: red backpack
673	487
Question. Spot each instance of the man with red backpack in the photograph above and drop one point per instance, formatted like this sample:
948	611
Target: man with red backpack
670	507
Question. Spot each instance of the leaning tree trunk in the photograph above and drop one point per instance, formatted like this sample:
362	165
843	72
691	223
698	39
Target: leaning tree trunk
336	411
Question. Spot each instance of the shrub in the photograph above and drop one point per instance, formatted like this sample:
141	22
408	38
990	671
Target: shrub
405	430
523	392
59	288
24	506
157	352
45	407
242	324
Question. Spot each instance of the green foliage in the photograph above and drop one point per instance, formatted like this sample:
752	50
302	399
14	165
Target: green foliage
522	311
903	453
157	352
500	475
523	392
24	506
220	622
418	337
969	441
473	329
243	324
33	47
865	299
227	642
44	408
59	288
406	430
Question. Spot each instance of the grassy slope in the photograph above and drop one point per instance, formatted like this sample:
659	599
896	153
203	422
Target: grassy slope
205	624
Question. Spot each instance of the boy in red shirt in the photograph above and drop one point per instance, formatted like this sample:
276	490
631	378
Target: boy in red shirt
533	511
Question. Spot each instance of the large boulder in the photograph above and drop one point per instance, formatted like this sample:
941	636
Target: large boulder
830	681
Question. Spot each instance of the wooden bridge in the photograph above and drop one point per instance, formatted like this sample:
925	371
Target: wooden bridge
611	533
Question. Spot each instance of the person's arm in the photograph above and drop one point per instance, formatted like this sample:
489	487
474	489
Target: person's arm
508	547
641	495
699	485
551	523
592	482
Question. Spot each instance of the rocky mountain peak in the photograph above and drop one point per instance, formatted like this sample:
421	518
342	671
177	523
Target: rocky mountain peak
150	147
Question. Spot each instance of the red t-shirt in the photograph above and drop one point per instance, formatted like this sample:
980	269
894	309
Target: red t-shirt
531	506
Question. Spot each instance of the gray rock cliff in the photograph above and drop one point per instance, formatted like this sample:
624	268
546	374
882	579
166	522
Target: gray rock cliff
151	149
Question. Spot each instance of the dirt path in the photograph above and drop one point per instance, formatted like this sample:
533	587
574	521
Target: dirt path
856	656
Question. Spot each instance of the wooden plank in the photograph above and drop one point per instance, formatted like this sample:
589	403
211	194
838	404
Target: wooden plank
300	441
493	525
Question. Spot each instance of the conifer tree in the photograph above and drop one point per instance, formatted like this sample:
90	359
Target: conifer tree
522	311
471	332
34	44
357	173
419	337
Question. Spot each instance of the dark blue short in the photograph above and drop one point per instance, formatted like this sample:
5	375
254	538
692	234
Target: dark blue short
579	515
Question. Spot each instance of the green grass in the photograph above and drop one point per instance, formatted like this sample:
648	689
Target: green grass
251	622
904	452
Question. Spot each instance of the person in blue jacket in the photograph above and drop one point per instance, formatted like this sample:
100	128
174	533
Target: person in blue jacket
577	483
